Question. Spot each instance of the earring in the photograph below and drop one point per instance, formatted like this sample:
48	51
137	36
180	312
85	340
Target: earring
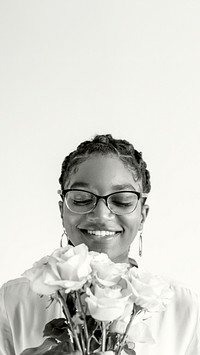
62	236
140	244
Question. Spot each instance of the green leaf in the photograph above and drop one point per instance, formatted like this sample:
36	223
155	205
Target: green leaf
91	324
47	345
71	303
50	347
128	350
55	328
112	339
94	344
63	348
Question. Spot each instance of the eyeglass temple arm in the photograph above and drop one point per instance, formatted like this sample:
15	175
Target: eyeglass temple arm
143	194
60	193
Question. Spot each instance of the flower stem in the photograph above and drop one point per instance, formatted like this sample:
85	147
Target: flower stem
103	346
68	316
121	345
83	314
82	340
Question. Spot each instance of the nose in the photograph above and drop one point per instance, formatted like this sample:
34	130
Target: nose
101	211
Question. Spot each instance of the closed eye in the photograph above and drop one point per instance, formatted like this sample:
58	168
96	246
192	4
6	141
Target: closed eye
82	202
125	204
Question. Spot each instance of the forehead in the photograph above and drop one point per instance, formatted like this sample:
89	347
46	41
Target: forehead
103	174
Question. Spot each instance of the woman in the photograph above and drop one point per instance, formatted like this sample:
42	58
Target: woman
113	177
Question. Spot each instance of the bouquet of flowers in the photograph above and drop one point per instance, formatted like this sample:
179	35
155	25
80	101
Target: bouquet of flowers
105	304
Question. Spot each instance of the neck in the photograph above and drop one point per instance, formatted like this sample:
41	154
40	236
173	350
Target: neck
123	258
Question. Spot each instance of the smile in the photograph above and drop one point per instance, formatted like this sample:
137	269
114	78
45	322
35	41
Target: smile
101	233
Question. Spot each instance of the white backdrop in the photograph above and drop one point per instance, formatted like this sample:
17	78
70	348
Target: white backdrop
72	68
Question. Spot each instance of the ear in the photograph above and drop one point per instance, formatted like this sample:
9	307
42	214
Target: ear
144	213
60	204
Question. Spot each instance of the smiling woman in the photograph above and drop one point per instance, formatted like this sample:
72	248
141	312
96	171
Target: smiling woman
102	229
104	189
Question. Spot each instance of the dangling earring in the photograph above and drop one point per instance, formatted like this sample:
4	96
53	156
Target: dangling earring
61	239
140	244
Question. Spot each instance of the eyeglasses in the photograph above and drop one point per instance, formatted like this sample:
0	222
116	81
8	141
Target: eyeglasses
81	201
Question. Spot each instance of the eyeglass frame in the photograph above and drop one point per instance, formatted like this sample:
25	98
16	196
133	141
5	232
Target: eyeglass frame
139	195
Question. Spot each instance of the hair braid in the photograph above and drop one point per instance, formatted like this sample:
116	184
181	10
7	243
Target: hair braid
104	145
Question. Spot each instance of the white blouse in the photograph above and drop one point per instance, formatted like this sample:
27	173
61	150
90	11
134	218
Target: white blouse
23	315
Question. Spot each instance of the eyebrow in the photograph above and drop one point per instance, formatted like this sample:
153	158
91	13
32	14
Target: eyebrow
79	184
114	187
124	187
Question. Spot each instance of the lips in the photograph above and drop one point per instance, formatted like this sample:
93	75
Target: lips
100	233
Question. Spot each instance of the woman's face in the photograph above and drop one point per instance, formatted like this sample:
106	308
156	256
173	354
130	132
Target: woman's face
103	175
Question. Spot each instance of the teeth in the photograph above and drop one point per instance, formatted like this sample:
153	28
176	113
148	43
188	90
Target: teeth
101	233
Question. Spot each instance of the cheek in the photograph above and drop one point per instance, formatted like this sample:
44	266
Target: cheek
70	228
132	222
69	218
70	221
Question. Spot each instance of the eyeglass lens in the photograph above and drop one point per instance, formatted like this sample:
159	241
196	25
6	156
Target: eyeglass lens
82	202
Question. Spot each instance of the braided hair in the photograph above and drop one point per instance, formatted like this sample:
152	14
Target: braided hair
105	145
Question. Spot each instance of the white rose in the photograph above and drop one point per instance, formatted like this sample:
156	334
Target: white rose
41	272
138	330
119	325
73	267
67	268
107	272
149	291
107	303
